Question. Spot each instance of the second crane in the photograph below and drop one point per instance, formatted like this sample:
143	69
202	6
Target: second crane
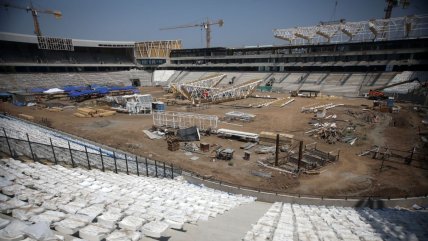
206	25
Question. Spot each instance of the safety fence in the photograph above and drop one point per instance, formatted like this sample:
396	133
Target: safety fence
86	158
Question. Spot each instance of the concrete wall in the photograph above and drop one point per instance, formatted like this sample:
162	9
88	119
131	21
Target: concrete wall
273	197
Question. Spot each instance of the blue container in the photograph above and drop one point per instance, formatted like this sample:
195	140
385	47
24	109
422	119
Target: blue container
158	106
390	103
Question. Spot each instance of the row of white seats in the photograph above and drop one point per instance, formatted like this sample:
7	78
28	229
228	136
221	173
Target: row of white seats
51	80
291	222
18	129
99	205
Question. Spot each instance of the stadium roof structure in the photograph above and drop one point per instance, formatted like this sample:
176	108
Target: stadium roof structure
26	38
408	27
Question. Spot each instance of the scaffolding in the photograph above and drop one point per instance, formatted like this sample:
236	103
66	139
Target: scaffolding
415	26
184	120
205	90
50	43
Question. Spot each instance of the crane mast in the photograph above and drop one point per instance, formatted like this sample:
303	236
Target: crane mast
205	25
34	12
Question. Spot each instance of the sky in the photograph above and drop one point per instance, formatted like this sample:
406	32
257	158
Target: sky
246	22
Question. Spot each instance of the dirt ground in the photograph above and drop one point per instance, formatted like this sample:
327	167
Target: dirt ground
350	176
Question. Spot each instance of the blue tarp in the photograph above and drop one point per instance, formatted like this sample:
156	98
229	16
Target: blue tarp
70	88
81	93
102	90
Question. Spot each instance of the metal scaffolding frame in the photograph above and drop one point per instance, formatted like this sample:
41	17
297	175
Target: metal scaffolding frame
55	43
156	49
364	31
205	91
199	89
184	120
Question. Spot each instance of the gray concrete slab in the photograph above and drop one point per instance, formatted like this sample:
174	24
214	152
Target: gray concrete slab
231	226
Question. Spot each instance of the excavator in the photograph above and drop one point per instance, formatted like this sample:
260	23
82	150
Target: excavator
378	94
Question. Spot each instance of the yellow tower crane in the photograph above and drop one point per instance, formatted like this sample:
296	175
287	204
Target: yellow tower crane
34	13
206	25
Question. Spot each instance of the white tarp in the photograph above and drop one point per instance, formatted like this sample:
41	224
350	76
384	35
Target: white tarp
53	91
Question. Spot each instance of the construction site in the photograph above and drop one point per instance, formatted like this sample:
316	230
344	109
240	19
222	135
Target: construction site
126	140
262	140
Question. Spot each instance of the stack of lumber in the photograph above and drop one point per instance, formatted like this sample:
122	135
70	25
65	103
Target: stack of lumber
27	117
173	144
54	109
270	137
93	112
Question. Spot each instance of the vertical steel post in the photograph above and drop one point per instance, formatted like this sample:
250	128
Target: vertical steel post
156	169
31	149
300	155
71	155
136	162
164	170
102	160
115	165
87	158
172	171
126	162
53	151
7	141
147	168
277	150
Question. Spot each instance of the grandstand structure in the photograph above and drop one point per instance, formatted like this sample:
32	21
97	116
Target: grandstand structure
340	58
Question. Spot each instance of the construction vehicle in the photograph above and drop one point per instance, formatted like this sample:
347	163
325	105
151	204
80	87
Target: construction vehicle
34	13
205	25
378	94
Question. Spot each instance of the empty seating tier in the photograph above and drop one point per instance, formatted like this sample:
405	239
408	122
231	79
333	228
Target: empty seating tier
285	221
95	205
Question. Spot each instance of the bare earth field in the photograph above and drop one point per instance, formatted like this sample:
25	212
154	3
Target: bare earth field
350	176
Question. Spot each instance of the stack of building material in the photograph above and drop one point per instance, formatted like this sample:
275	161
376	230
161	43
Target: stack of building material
173	144
54	109
27	117
270	137
92	112
237	115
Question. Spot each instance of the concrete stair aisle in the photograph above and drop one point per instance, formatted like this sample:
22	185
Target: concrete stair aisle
231	225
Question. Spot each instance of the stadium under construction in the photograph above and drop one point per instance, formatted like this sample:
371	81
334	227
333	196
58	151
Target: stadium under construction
125	140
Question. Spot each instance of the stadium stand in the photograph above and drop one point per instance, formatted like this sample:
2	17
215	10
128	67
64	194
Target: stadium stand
23	81
22	53
103	205
285	221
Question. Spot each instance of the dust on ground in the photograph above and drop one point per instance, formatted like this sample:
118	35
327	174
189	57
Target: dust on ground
350	176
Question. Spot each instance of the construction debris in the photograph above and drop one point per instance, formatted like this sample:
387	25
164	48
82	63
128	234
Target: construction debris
265	150
248	146
93	112
152	135
246	136
314	109
54	109
132	104
286	103
270	137
190	147
236	115
225	154
173	143
27	117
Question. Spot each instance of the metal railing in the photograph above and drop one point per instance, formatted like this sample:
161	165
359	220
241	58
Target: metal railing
89	159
